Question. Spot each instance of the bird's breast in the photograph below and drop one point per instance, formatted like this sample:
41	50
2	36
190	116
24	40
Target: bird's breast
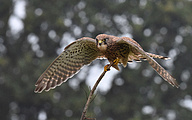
111	52
102	48
117	51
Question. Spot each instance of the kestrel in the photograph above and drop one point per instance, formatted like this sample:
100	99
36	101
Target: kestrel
83	51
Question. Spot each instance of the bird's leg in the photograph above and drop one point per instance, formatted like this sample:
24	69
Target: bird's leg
115	63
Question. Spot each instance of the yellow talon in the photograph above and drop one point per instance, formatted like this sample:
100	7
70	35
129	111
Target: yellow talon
106	68
116	61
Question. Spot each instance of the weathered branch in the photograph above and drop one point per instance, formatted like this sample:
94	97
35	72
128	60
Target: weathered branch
83	115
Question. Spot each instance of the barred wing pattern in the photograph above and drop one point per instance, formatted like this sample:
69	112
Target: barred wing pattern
148	56
69	62
138	57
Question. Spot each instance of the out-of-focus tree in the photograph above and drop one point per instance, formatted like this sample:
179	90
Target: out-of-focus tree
33	33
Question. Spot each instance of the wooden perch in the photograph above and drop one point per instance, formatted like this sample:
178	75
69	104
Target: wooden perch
83	115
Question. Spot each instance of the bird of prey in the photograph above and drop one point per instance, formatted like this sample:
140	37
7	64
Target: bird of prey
83	51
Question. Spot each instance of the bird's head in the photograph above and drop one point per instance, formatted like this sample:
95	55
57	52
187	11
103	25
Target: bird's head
101	41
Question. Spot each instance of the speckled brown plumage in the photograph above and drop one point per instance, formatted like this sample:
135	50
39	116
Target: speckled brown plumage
77	54
83	51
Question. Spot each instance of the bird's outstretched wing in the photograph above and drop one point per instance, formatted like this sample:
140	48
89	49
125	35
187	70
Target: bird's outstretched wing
140	53
77	54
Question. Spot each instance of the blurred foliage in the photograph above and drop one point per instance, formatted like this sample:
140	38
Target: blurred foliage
137	92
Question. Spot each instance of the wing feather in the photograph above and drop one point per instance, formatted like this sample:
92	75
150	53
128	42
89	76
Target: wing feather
77	54
160	70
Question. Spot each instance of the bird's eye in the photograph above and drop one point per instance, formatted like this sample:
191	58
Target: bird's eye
105	39
96	39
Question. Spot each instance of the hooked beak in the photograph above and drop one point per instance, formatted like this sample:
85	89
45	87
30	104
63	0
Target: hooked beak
100	42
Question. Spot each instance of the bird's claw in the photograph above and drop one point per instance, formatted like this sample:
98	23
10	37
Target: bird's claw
106	68
116	61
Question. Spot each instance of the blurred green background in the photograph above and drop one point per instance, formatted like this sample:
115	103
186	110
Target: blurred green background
34	32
